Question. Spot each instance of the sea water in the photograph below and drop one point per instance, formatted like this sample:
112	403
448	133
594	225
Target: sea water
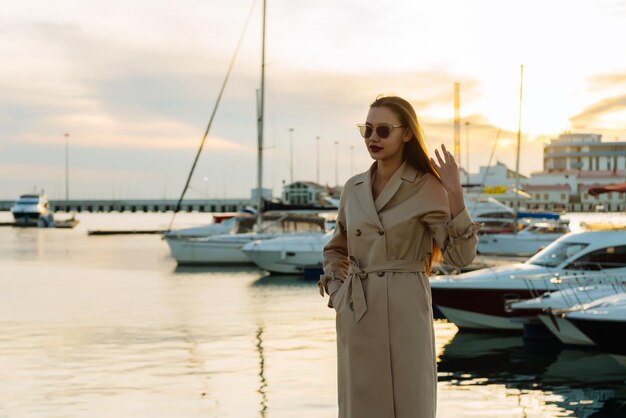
109	326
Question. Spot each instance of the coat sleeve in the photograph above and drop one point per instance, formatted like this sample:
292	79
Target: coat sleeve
335	253
456	237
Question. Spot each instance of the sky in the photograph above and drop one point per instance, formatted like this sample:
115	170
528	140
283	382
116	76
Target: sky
133	84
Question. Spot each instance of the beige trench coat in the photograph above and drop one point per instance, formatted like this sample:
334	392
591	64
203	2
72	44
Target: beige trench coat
376	259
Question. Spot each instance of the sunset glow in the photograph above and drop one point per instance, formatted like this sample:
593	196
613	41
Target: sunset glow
145	77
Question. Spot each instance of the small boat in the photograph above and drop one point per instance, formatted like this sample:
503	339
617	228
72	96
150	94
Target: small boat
534	237
495	216
226	249
478	299
32	210
288	254
603	323
223	224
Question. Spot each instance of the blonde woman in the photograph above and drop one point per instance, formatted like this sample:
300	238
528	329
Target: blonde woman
395	220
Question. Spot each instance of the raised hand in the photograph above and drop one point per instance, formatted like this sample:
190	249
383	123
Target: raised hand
449	175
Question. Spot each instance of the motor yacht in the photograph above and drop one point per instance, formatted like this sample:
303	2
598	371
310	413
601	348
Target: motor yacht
478	299
288	254
495	216
548	309
603	322
32	210
535	236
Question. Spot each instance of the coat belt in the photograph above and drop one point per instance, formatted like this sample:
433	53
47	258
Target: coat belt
356	274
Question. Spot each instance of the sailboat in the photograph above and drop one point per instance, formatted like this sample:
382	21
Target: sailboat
225	249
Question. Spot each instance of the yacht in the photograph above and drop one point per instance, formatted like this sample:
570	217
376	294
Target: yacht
603	322
598	286
32	210
226	249
555	320
478	299
548	309
535	236
495	216
288	254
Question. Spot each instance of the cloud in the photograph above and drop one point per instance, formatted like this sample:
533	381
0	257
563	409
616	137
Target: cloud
590	118
607	80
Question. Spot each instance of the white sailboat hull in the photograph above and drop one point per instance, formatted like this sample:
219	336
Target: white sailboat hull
288	255
280	262
205	252
217	250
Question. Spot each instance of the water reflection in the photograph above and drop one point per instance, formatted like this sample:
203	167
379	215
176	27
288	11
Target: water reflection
263	382
587	383
215	269
282	280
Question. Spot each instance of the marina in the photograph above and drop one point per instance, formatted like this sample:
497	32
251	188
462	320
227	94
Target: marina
214	168
224	341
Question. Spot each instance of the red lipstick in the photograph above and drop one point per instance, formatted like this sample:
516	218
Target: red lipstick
375	148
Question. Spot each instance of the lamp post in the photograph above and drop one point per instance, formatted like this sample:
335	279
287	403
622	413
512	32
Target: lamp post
67	172
467	152
317	179
351	160
291	155
336	163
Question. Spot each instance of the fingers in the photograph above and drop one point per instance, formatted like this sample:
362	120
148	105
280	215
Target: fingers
434	164
446	154
441	163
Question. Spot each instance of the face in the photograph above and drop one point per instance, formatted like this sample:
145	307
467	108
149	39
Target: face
389	148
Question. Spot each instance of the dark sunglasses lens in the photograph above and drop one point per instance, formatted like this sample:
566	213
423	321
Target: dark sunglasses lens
366	131
383	131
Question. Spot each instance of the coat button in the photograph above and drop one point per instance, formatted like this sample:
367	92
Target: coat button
381	273
357	232
381	232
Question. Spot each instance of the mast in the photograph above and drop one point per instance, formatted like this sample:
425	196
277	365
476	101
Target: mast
67	173
261	102
519	140
457	123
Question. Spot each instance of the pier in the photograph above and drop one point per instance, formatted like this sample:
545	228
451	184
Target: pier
141	205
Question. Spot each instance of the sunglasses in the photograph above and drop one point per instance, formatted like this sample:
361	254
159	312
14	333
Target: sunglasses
382	130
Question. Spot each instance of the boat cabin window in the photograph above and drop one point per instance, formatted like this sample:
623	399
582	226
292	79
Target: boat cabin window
605	258
547	229
281	223
496	215
556	253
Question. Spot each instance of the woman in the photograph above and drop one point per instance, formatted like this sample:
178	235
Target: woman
394	221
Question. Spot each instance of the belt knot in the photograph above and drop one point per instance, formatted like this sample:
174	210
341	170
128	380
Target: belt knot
356	273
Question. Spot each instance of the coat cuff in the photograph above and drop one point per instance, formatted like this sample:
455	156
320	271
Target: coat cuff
461	226
328	283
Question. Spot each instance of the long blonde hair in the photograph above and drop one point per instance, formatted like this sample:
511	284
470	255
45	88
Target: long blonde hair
415	152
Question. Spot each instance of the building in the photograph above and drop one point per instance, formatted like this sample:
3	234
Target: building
572	164
552	196
304	193
494	176
585	152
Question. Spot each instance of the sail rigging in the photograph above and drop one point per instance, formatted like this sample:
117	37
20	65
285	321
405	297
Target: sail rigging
213	113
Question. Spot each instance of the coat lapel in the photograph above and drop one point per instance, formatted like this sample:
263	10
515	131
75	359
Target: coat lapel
364	196
405	172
